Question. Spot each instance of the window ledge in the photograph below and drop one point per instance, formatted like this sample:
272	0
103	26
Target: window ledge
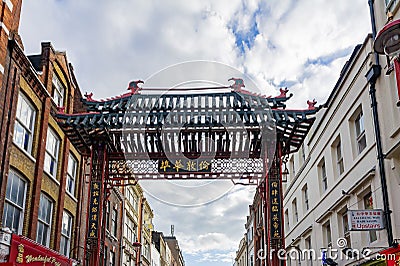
395	132
324	216
71	196
25	152
54	101
51	177
111	236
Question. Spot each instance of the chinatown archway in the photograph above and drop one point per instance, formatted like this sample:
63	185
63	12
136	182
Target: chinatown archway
229	134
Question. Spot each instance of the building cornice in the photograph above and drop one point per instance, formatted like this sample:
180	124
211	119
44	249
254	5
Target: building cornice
27	70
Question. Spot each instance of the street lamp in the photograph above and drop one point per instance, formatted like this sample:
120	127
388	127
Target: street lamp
387	42
388	39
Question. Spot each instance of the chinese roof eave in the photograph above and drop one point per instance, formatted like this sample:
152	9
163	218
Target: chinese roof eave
121	103
291	126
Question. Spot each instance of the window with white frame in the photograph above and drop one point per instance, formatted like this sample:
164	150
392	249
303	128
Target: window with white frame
71	174
112	258
345	227
298	255
58	91
146	252
323	176
305	198
287	224
24	124
132	198
310	257
250	234
114	216
360	132
65	243
105	255
295	213
251	258
129	195
44	220
293	167
108	207
302	154
339	158
14	206
327	234
130	230
52	150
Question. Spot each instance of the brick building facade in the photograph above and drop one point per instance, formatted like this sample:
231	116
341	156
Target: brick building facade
9	19
41	169
41	184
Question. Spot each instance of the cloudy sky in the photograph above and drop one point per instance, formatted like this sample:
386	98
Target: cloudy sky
301	45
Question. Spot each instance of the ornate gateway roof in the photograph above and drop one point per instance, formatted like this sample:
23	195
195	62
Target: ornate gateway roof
234	125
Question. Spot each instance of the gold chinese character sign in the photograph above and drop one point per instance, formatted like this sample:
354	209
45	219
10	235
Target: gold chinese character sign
94	209
183	166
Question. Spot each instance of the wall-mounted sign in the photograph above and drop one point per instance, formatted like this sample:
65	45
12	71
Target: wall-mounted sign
275	203
94	209
365	220
392	256
183	166
25	251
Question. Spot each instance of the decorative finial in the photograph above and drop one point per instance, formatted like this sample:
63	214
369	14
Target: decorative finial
239	83
89	96
134	86
311	105
61	109
283	93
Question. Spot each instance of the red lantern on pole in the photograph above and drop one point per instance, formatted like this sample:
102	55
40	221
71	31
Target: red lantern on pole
387	42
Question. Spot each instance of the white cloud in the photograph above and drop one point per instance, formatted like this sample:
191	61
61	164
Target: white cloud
218	257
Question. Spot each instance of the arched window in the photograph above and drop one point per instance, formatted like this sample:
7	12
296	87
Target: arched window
66	229
52	150
24	124
14	207
44	220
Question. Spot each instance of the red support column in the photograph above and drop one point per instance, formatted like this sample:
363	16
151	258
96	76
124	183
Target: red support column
95	236
273	211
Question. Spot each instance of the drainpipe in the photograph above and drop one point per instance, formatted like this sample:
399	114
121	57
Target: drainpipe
372	75
140	228
247	248
122	253
7	113
373	24
81	186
